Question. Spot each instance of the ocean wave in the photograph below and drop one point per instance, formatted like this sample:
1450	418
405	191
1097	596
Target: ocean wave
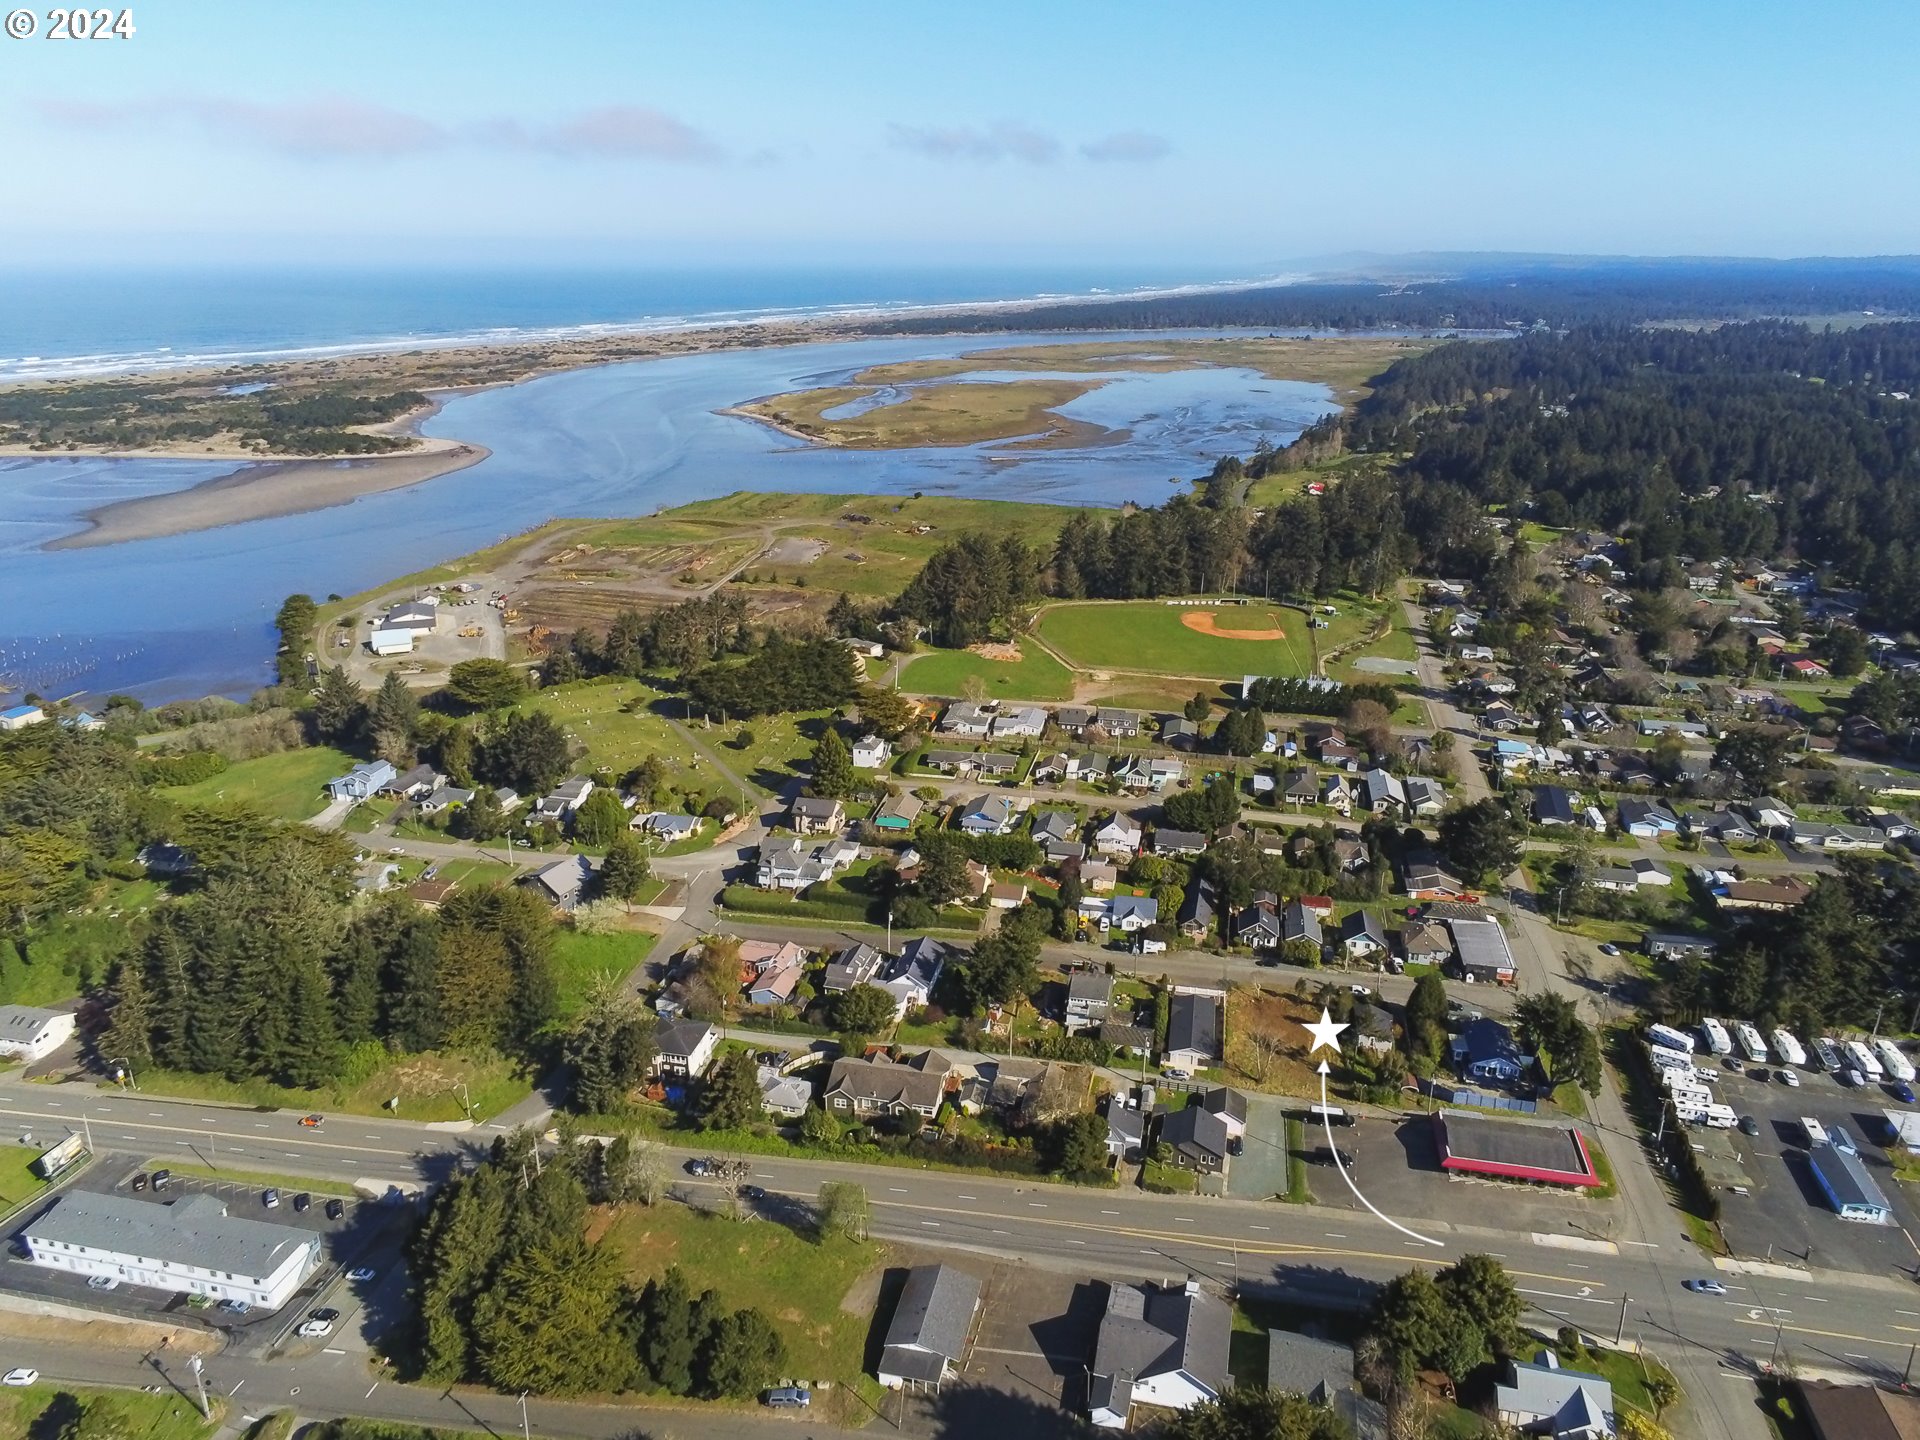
165	358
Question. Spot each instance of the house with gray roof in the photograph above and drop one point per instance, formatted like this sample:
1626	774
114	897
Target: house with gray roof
856	964
564	883
967	717
988	815
1126	1128
191	1245
1544	1399
684	1048
1165	1348
1198	908
1297	922
911	977
930	1325
1177	842
859	1087
1197	1137
1089	999
1362	936
1193	1031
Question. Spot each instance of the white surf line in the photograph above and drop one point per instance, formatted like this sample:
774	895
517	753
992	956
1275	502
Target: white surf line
1334	1145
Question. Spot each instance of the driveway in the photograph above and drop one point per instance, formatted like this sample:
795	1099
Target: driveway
1259	1171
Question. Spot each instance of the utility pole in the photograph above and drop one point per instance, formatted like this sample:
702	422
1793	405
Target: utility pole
195	1364
1879	1010
525	1432
1620	1330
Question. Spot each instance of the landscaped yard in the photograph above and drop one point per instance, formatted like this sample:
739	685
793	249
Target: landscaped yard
812	1291
1150	635
424	1084
289	786
17	1180
1036	675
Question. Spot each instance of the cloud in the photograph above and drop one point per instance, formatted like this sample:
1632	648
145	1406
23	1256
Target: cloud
333	128
1003	141
1126	147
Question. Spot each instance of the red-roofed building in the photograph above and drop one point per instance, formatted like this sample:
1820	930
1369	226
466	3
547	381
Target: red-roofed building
1513	1150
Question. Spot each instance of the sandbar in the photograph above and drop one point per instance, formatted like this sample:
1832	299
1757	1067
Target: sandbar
266	492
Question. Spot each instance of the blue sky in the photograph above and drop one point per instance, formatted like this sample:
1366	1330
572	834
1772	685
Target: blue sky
1218	135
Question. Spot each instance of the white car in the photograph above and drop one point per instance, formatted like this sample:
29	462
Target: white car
360	1274
1790	1079
22	1376
314	1329
103	1282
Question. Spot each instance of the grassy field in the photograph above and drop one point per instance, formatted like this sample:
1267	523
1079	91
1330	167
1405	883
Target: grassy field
287	786
962	413
1036	676
37	1411
1146	635
811	1291
579	960
75	949
17	1180
424	1084
619	723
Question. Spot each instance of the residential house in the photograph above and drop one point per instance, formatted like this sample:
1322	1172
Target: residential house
1164	1348
783	1096
1805	669
1647	819
1258	926
878	1086
1089	999
870	752
1333	749
1614	879
1363	937
564	883
1177	842
19	717
1019	722
1553	805
1260	785
1126	1037
1382	793
780	868
362	782
856	964
1179	732
431	894
564	799
1544	1399
1337	794
947	762
1425	797
1074	719
1678	947
1054	826
1117	724
1007	895
1322	1371
1857	1412
1429	880
1128	913
1426	942
967	717
1231	1106
1774	893
1198	911
1098	876
1499	715
1147	772
1126	1127
1727	826
1193	1031
444	797
988	815
1771	815
1350	853
1301	787
911	976
666	826
684	1048
815	815
412	784
30	1033
897	812
994	762
928	1333
1486	1051
1648	872
776	967
1297	922
1118	835
1197	1137
1481	948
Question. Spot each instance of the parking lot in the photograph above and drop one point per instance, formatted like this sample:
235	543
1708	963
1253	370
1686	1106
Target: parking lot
1396	1163
368	1234
1784	1212
1259	1171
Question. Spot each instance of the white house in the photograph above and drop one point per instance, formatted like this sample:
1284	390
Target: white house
191	1245
1161	1347
30	1033
870	752
1118	836
684	1048
19	717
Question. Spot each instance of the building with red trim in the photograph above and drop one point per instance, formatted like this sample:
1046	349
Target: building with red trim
1513	1150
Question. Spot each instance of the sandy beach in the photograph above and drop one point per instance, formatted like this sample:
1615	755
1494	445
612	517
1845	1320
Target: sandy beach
265	492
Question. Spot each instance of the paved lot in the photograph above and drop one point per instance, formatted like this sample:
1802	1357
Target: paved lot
1259	1171
369	1233
1396	1164
1784	1212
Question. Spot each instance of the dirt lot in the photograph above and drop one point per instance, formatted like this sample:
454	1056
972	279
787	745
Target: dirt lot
1267	1041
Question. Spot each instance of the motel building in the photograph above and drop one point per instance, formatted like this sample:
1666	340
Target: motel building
190	1245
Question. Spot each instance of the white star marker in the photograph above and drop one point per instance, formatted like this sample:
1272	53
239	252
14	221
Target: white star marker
1326	1034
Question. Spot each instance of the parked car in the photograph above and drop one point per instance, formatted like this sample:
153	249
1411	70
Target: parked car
752	1192
697	1166
139	1182
314	1329
162	1179
1901	1091
1749	1125
103	1282
234	1307
1609	949
1172	1073
1705	1287
328	1315
360	1274
21	1376
336	1209
302	1200
783	1398
1790	1079
271	1199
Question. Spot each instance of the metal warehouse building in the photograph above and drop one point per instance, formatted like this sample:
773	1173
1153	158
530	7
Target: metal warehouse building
1847	1185
1512	1150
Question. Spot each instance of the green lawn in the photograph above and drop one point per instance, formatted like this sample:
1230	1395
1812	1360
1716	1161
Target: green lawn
36	1410
287	786
73	951
424	1084
1035	676
616	738
475	873
579	960
802	1286
1148	635
17	1180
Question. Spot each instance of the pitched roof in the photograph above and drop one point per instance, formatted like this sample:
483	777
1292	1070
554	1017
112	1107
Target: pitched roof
195	1231
1193	1023
1196	1129
930	1322
881	1082
681	1037
1148	1331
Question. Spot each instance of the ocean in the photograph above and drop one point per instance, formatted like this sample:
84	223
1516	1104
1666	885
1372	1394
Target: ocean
67	324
